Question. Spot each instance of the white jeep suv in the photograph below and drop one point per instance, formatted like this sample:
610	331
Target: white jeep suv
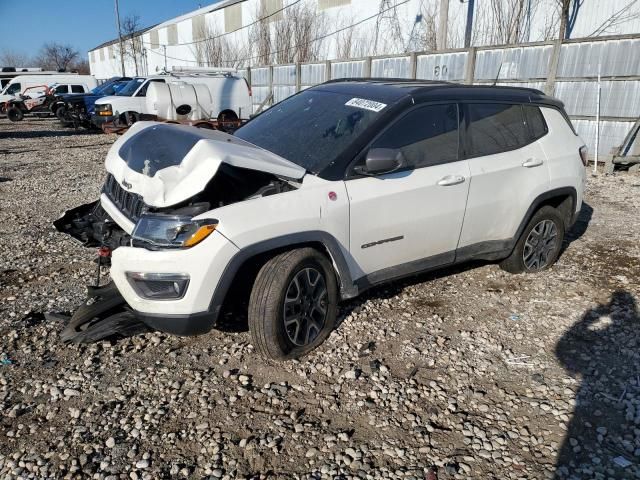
341	187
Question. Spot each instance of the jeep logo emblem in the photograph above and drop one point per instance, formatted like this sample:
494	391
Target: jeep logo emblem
126	184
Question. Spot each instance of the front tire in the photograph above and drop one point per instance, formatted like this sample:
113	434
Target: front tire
61	113
15	114
539	246
293	304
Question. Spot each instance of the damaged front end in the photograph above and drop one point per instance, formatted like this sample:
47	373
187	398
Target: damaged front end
158	171
90	225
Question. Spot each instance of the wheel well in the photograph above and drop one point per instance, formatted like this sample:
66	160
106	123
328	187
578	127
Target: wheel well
228	115
564	203
245	275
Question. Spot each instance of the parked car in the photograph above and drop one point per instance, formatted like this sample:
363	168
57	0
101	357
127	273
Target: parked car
231	91
77	109
336	189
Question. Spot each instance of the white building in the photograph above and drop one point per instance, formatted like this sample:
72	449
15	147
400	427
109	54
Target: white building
229	31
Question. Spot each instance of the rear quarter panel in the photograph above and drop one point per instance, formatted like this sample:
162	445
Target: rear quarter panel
562	149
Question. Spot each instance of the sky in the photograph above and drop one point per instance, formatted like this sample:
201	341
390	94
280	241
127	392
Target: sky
84	24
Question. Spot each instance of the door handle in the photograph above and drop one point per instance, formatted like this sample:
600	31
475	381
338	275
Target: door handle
450	180
532	162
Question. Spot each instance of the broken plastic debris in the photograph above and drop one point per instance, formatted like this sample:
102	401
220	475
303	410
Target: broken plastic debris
621	462
6	361
514	317
432	473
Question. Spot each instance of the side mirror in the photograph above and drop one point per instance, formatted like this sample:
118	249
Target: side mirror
381	160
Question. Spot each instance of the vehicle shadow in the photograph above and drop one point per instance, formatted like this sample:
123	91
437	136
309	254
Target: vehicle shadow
234	318
580	227
602	350
40	134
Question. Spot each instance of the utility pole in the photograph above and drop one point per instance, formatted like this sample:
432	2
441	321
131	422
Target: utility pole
444	24
469	29
164	47
120	37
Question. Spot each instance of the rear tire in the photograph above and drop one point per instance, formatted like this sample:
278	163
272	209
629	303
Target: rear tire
293	303
539	245
15	114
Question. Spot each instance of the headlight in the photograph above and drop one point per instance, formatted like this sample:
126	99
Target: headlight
169	231
104	109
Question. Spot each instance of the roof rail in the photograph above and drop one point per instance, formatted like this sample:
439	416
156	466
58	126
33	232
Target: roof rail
205	70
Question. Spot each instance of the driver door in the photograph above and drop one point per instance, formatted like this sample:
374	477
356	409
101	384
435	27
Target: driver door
410	220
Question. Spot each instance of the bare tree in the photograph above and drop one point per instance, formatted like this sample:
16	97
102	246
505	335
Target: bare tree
132	42
81	66
54	56
569	10
295	35
260	36
344	43
624	15
13	58
215	50
308	26
509	19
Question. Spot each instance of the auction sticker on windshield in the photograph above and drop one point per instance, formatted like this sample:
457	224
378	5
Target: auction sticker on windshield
366	104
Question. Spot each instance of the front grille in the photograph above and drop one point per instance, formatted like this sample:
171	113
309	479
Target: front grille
130	204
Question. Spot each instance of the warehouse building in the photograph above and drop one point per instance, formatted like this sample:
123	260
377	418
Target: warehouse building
232	32
283	46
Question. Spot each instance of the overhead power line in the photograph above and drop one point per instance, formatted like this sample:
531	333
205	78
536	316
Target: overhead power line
322	37
233	31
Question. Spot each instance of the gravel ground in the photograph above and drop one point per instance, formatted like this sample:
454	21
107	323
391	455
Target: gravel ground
471	371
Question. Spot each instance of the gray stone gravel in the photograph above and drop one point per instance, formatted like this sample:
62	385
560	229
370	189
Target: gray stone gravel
474	371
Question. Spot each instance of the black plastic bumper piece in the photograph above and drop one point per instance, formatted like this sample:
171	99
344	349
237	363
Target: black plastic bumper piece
183	325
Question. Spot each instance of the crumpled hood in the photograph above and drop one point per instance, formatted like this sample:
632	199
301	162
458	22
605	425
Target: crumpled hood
167	164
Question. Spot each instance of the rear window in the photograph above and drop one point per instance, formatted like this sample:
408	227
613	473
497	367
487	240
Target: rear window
535	121
495	128
313	128
77	89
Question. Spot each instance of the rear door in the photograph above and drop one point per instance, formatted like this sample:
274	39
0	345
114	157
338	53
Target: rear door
508	172
411	219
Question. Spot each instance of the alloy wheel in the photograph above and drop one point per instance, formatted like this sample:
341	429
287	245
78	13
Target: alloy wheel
305	306
540	245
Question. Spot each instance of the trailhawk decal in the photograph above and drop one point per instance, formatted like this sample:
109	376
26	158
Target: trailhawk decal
366	104
380	242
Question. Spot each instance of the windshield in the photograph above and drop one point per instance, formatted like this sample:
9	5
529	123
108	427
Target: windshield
102	88
312	128
12	89
131	87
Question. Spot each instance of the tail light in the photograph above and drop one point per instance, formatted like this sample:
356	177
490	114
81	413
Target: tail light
583	155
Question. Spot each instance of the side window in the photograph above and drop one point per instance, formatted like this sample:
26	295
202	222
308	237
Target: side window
535	121
77	89
495	128
62	89
426	136
143	90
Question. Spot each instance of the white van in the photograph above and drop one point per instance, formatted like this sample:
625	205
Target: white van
35	85
230	93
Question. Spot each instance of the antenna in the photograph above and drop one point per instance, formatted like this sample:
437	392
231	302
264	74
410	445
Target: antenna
498	75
